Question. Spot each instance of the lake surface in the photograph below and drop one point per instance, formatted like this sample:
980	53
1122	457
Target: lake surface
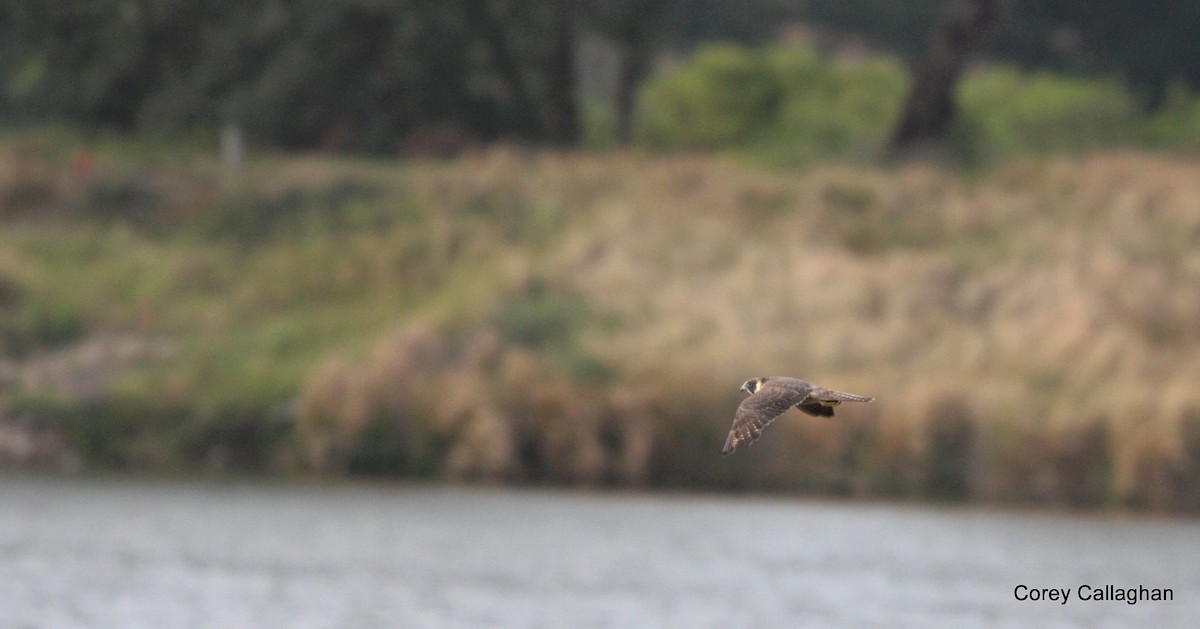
131	554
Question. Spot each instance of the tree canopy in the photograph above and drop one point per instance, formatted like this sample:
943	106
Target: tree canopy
380	75
356	74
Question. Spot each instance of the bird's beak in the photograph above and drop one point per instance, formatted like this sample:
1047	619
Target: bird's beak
745	389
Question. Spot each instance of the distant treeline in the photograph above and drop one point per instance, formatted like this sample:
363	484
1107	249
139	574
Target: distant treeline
787	104
368	75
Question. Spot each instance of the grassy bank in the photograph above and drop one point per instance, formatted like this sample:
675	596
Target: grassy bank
1030	333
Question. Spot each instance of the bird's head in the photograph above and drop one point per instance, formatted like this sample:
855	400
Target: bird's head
750	386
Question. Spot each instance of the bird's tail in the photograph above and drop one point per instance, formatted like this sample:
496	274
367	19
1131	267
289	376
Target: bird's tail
829	395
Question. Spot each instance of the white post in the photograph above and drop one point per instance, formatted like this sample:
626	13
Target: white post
233	147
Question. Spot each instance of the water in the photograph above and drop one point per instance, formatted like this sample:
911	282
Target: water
92	553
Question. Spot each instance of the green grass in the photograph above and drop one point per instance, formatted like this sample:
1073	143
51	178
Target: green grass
254	284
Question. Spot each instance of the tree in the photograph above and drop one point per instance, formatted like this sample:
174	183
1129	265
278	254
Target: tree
561	81
359	75
930	107
1151	45
635	29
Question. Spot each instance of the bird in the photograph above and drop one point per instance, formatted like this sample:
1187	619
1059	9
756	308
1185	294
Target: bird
770	396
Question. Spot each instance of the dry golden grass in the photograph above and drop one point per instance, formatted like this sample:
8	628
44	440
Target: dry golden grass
1043	318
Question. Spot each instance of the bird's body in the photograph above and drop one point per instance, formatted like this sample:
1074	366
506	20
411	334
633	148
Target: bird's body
771	396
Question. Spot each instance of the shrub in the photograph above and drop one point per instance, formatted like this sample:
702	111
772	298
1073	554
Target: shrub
30	321
539	318
951	437
831	107
1177	123
513	414
1007	111
724	96
786	102
233	437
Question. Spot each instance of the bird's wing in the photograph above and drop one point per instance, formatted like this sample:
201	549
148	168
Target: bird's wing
783	382
756	411
829	395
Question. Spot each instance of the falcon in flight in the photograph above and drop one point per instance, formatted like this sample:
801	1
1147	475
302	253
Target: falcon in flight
770	396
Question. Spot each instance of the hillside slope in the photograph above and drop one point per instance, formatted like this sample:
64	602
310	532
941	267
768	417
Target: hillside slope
1029	334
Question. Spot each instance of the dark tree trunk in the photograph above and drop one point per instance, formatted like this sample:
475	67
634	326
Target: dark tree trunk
632	71
931	106
491	31
561	80
637	29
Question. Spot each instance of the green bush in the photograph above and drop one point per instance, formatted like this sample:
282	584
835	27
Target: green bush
833	108
541	318
785	102
725	96
1011	112
550	322
788	104
31	322
387	447
1177	124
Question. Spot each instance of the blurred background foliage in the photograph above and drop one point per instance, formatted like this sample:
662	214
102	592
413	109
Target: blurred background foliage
443	259
518	316
374	76
788	104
